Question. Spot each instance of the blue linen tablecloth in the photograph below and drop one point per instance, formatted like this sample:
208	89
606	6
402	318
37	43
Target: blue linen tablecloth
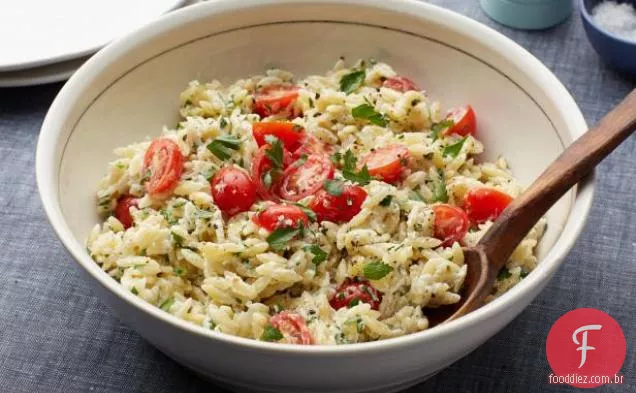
56	335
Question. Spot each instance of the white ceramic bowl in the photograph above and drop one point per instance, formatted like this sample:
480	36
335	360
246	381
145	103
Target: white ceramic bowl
130	89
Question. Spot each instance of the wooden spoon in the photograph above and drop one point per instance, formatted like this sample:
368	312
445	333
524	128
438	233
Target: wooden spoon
485	260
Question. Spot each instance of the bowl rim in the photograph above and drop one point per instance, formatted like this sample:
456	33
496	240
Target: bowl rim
585	14
48	181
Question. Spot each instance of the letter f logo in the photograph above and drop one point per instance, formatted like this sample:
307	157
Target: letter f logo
584	347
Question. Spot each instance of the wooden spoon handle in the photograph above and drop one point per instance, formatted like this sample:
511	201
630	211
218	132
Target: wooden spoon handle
574	163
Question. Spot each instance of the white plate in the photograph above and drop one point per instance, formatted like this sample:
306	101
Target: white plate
39	75
35	32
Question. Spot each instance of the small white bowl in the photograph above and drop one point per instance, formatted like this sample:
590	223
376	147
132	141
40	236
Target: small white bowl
130	89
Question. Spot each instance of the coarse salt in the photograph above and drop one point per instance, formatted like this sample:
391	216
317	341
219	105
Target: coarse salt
616	18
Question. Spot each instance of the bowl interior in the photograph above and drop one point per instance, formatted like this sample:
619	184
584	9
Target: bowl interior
145	98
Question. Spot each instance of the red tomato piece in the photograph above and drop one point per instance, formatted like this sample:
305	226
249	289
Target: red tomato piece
233	190
291	135
341	208
305	179
122	210
451	224
400	83
464	119
293	328
281	216
276	100
312	146
483	204
355	290
165	161
261	164
387	162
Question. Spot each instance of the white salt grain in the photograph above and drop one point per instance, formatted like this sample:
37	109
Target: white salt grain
616	18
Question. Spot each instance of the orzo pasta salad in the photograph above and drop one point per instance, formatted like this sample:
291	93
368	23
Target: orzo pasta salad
326	210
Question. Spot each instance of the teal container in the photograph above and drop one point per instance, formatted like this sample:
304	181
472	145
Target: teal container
528	14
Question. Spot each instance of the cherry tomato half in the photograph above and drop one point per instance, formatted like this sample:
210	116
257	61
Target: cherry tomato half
341	208
122	210
165	161
400	83
386	163
261	165
291	135
233	190
293	328
483	204
306	179
312	146
281	216
355	290
276	100
451	224
464	119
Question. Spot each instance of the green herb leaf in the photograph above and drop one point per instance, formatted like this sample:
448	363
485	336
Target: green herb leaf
178	239
275	152
376	270
503	274
279	238
134	291
349	171
386	201
366	112
319	255
415	196
167	304
440	194
308	212
441	126
223	145
179	271
334	187
354	302
271	334
223	122
336	157
454	149
352	81
524	273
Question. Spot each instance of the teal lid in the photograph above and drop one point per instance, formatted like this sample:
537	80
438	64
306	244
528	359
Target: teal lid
528	14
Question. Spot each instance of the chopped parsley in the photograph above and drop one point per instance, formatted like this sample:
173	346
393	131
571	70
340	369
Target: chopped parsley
222	146
279	238
454	149
503	274
167	304
349	171
440	194
354	302
524	273
441	126
179	271
275	152
223	122
270	333
178	239
386	201
319	255
376	270
134	291
352	81
367	112
308	212
336	157
334	187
